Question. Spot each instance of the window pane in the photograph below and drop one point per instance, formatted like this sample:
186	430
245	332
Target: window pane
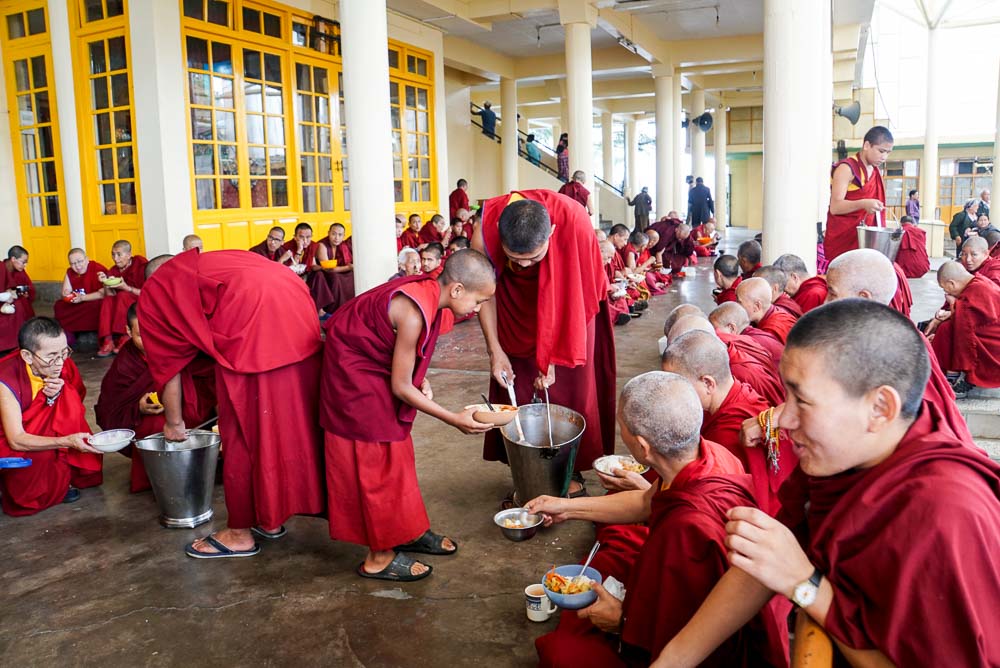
393	93
15	26
109	202
199	89
38	76
102	128
411	64
21	75
119	90
258	193
347	197
127	192
307	138
302	79
279	192
306	108
204	159
197	53
218	12
225	126
222	58
424	145
308	169
322	110
52	210
394	116
205	193
421	98
230	194
397	187
28	151
49	176
25	114
126	166
323	139
300	34
325	170
322	80
422	71
45	142
255	129
123	125
422	121
275	130
227	161
276	161
251	19
309	199
272	67
252	97
425	190
105	164
117	58
272	25
222	90
411	96
31	177
411	144
258	161
394	58
115	7
195	9
201	124
251	64
42	107
326	198
273	100
97	62
35	206
36	22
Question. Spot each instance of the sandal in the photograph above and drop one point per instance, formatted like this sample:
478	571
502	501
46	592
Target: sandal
508	501
224	552
398	570
270	535
428	543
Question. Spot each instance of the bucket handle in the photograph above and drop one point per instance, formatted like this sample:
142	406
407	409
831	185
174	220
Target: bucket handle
209	423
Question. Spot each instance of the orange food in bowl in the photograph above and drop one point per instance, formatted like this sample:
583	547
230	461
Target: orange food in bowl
328	264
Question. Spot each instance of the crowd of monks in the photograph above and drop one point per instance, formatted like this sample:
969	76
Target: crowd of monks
804	444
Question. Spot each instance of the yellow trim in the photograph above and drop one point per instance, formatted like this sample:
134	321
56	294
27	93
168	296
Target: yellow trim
36	383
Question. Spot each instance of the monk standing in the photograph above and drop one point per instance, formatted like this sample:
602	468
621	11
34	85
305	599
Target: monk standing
79	310
255	319
131	269
550	325
975	344
754	295
807	291
17	293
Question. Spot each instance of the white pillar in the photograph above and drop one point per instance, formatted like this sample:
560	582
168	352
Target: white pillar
680	143
10	222
996	161
366	94
697	136
632	157
721	180
793	109
508	135
824	79
666	135
580	94
929	163
607	147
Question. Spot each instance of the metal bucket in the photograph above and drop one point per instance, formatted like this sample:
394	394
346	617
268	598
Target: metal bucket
182	474
883	239
538	469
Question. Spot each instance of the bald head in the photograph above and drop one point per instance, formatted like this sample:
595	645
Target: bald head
754	295
729	317
192	241
864	273
697	354
689	323
663	410
470	268
975	250
677	313
993	238
156	263
953	277
795	272
775	277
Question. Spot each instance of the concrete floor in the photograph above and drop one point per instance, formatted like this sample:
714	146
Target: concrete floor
100	583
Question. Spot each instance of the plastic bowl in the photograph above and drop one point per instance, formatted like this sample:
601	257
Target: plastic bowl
328	264
573	601
112	281
608	463
517	535
112	440
503	415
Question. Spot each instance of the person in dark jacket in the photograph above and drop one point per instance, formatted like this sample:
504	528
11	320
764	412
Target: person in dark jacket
700	205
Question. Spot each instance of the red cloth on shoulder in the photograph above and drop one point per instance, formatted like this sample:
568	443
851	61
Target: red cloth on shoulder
84	316
10	324
976	342
811	293
751	364
308	255
457	199
903	299
777	322
841	230
429	234
114	307
766	340
728	294
262	250
575	191
409	239
990	268
788	305
912	256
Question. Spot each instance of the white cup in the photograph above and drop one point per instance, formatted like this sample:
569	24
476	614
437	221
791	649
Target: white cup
537	605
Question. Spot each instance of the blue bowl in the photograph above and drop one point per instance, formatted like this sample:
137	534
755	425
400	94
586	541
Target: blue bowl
573	601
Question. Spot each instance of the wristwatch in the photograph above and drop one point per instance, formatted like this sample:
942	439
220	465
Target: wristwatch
805	593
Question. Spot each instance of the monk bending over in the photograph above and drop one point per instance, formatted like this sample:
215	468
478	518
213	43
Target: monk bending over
777	279
44	420
378	350
131	269
684	555
79	310
807	291
754	295
975	342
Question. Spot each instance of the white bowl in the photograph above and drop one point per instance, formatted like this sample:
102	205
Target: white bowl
111	440
609	463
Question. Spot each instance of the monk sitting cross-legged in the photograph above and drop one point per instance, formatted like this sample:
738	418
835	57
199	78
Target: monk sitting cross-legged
912	255
410	237
378	349
754	295
44	420
618	303
431	259
435	230
777	279
271	247
332	287
684	555
79	310
17	293
299	252
807	291
975	340
114	306
727	278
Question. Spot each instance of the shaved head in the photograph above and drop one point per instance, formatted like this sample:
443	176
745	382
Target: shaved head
470	268
78	252
951	271
792	264
729	317
728	266
524	226
774	276
754	295
975	250
749	254
993	238
864	273
696	354
192	241
664	410
689	323
677	313
156	263
122	245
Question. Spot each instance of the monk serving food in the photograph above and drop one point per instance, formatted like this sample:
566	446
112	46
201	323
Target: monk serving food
79	310
857	193
123	284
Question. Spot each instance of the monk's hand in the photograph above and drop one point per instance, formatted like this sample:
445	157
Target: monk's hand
52	387
499	365
425	389
79	442
175	432
547	379
552	509
147	407
766	549
751	435
467	424
942	315
872	205
605	613
622	480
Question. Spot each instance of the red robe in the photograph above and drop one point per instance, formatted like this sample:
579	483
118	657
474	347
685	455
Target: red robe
10	324
42	485
841	230
778	323
556	312
84	316
458	199
114	307
655	281
261	249
575	191
749	274
265	339
811	293
409	239
903	299
127	380
974	342
729	294
910	548
308	256
912	256
370	471
767	341
619	305
429	234
990	268
399	244
788	305
751	364
995	251
331	290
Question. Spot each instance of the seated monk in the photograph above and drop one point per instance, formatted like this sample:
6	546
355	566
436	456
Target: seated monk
409	263
192	241
114	305
749	361
777	279
464	218
410	238
79	310
332	287
435	230
640	264
700	357
894	530
684	555
431	259
974	256
618	304
748	255
727	278
129	398
993	239
912	255
754	295
706	239
637	301
975	342
44	420
457	244
17	293
676	314
807	291
400	225
902	300
300	251
271	247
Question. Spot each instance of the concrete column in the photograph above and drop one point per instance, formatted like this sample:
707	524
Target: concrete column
824	79
10	223
632	157
697	136
607	147
792	56
929	163
366	93
508	134
721	180
666	135
996	159
580	96
680	142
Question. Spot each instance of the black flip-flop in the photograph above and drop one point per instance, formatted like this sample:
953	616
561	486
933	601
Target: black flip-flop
428	543
508	501
270	535
398	570
224	552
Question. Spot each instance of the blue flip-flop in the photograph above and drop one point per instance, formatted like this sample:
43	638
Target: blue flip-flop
14	462
270	535
224	552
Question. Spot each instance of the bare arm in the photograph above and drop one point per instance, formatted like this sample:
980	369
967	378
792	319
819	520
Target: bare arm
67	288
622	508
173	410
499	362
839	205
590	205
20	440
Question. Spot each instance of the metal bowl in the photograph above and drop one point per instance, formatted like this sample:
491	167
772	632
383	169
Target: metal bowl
517	535
503	415
111	440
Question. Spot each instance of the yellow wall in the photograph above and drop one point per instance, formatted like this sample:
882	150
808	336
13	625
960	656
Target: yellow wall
738	192
747	192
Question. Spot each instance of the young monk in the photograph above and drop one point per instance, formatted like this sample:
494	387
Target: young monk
912	255
975	343
17	293
79	310
44	420
410	238
300	250
727	278
431	258
114	305
807	291
435	230
272	246
378	350
129	398
748	256
883	470
267	363
993	239
618	304
754	295
457	244
192	241
331	287
857	194
465	220
400	225
974	256
777	279
684	555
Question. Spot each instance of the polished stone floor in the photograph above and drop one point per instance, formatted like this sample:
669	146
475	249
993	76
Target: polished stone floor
99	583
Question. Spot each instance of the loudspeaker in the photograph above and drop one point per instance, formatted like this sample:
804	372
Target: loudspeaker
851	112
704	122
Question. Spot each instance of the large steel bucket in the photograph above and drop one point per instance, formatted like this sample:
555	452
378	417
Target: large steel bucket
538	469
883	239
182	474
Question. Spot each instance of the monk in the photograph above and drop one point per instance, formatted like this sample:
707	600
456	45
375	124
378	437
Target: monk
749	362
459	198
300	251
550	325
902	300
976	259
272	246
332	287
44	420
255	319
857	193
192	241
400	224
463	220
748	255
618	304
431	259
576	191
129	398
754	295
882	470
912	255
777	279
675	246
975	343
684	555
641	265
807	291
79	310
114	306
408	262
410	238
993	239
17	293
378	350
457	244
435	230
727	278
701	358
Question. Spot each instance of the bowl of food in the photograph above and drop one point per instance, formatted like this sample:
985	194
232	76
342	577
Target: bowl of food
7	309
609	463
517	524
568	591
111	440
112	281
503	415
328	264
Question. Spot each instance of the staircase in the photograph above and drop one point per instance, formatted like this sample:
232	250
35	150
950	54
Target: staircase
981	410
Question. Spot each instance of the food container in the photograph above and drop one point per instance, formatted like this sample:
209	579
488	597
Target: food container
328	264
504	414
609	463
883	239
182	475
112	281
111	440
538	469
514	534
573	601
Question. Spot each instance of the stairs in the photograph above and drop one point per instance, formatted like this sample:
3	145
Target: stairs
981	410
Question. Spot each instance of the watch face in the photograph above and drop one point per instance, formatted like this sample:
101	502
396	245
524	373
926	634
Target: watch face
805	594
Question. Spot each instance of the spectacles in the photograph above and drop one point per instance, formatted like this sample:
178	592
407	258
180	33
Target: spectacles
275	240
61	356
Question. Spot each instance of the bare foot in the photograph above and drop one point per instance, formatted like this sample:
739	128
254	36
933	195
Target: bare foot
574	487
377	561
235	539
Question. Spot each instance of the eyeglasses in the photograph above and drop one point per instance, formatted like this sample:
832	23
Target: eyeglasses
275	240
61	356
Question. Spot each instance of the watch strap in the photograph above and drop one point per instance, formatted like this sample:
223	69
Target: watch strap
816	578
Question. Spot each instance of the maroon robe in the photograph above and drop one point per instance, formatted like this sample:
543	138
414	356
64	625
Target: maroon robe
751	364
749	274
576	192
728	294
10	324
615	305
788	305
114	307
912	256
28	490
430	234
457	199
409	239
767	341
778	323
974	342
990	268
374	496
841	230
556	312
82	316
261	249
903	299
811	293
308	255
265	339
330	289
